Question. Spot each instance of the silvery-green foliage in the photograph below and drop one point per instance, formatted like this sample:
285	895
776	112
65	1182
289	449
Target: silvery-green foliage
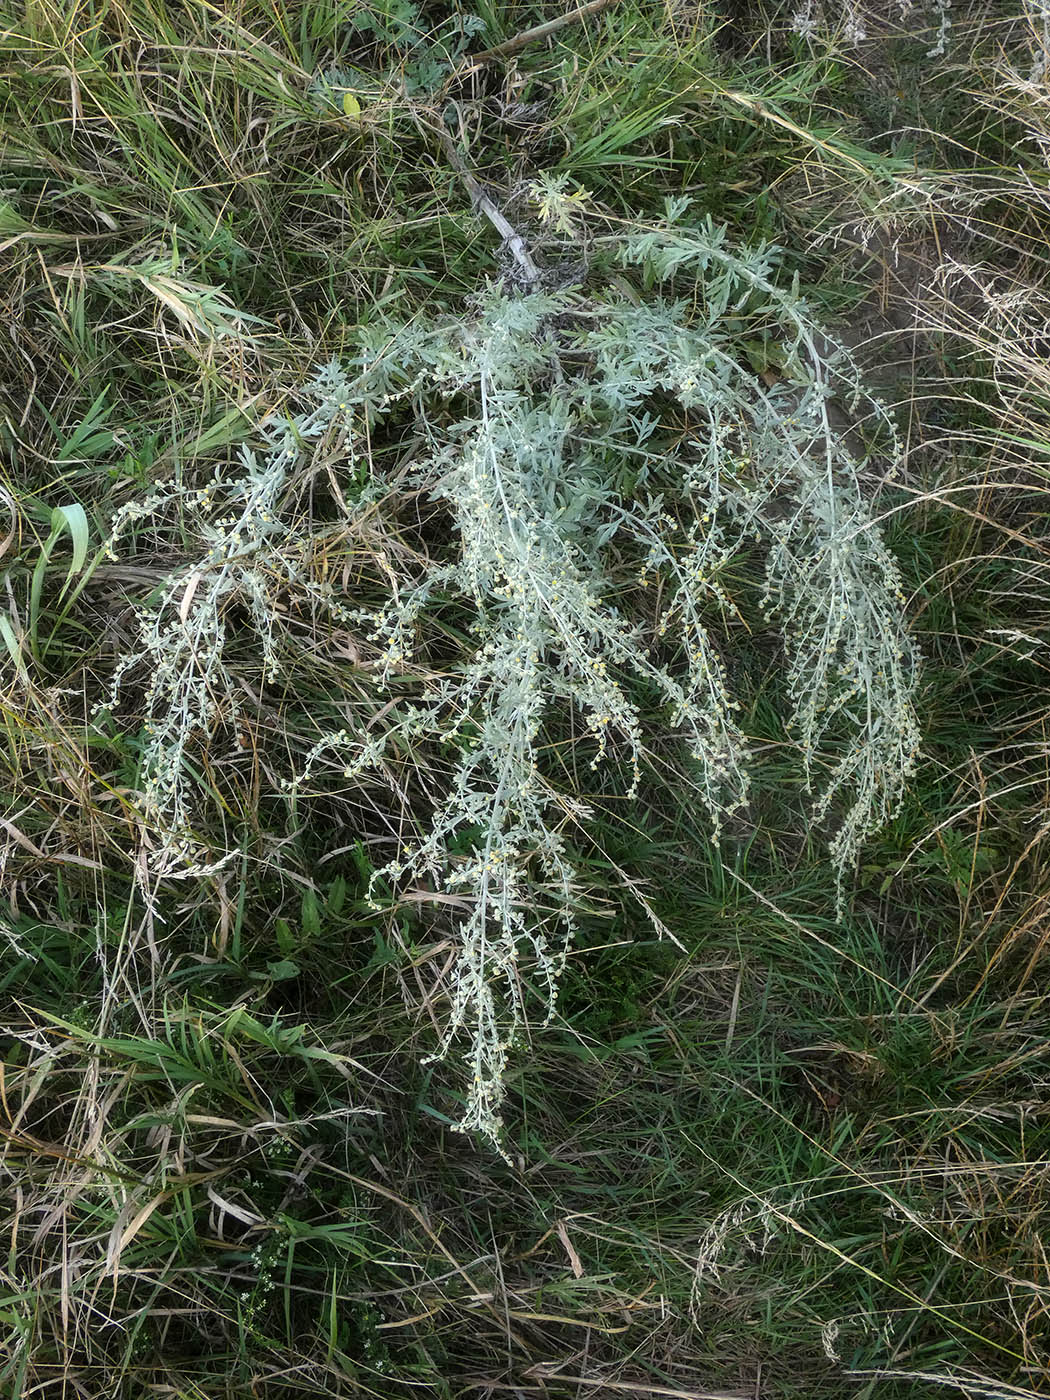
529	410
590	451
848	25
247	555
831	582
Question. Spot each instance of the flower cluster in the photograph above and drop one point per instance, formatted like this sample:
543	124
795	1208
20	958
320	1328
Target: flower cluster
183	639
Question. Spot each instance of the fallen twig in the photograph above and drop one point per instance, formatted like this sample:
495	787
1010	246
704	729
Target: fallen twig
530	36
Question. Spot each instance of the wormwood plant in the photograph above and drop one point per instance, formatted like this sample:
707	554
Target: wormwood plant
590	451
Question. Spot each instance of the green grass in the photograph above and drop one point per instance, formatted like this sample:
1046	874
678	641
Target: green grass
789	1158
